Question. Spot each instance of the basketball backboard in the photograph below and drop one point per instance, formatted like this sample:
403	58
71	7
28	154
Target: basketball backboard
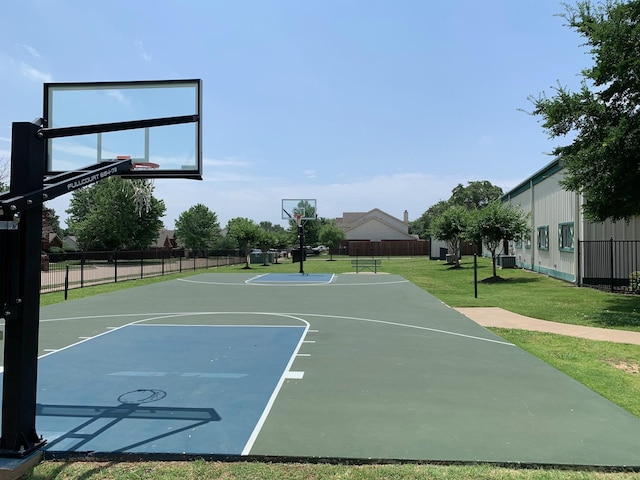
305	207
174	148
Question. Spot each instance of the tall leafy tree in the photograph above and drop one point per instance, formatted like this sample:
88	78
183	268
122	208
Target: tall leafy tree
103	217
475	195
246	234
331	236
603	161
198	227
451	226
496	223
422	226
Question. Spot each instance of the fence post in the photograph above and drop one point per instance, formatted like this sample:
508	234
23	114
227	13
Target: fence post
115	266
141	264
66	282
162	262
194	260
82	260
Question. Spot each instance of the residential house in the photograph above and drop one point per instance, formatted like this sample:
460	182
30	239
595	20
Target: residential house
377	233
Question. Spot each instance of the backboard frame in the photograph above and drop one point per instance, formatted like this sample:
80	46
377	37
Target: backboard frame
191	171
308	206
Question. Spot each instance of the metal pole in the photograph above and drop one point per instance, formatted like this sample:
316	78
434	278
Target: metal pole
475	275
66	282
302	252
20	296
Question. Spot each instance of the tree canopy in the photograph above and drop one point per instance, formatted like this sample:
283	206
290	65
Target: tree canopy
603	117
451	226
245	232
475	195
103	217
331	236
198	227
496	223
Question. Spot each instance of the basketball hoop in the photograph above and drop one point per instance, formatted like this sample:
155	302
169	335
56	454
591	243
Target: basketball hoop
298	217
142	187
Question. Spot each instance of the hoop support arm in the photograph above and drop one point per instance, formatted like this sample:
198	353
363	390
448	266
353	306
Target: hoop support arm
59	185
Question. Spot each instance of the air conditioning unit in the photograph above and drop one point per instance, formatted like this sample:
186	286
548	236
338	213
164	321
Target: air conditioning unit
506	261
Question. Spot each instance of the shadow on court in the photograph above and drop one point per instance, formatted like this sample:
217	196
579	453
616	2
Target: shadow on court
351	367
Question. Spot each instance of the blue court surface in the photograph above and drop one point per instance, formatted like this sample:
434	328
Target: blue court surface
164	388
292	278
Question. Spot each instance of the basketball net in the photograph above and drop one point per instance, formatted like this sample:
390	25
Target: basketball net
298	217
142	194
142	187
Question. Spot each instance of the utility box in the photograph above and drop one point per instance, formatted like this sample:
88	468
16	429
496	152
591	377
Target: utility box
506	261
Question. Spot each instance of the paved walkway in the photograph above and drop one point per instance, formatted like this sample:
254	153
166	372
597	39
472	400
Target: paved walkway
500	318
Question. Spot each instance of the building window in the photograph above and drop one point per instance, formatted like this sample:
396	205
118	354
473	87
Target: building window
543	238
527	240
565	237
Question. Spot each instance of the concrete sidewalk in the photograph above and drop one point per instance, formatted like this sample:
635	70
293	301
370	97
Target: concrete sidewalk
500	318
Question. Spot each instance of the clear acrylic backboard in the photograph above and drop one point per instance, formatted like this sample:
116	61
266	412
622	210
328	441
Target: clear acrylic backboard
305	207
175	149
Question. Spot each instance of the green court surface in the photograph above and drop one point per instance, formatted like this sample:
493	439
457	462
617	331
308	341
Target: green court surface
383	370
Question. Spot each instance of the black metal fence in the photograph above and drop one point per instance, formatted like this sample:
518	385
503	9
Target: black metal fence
65	271
612	265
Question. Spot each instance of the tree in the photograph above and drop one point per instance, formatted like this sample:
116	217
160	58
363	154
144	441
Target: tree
103	217
475	195
422	226
245	232
451	226
496	223
198	227
331	236
5	168
603	161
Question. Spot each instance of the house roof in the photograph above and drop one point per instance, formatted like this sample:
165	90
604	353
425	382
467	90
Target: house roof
376	219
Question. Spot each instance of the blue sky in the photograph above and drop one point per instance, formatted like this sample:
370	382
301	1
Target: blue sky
359	104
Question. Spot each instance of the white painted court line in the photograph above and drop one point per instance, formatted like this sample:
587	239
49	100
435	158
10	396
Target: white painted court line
303	355
263	418
294	375
309	341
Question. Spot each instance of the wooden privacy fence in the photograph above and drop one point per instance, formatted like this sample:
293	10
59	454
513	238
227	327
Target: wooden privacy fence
387	248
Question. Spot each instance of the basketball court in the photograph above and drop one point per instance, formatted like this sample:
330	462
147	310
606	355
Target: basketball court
347	367
308	366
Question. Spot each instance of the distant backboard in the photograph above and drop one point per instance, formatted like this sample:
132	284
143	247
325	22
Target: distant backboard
174	151
306	207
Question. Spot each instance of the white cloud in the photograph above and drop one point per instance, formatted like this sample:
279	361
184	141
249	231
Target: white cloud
142	51
34	74
119	96
32	51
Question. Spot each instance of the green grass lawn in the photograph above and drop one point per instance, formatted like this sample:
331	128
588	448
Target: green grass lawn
612	370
